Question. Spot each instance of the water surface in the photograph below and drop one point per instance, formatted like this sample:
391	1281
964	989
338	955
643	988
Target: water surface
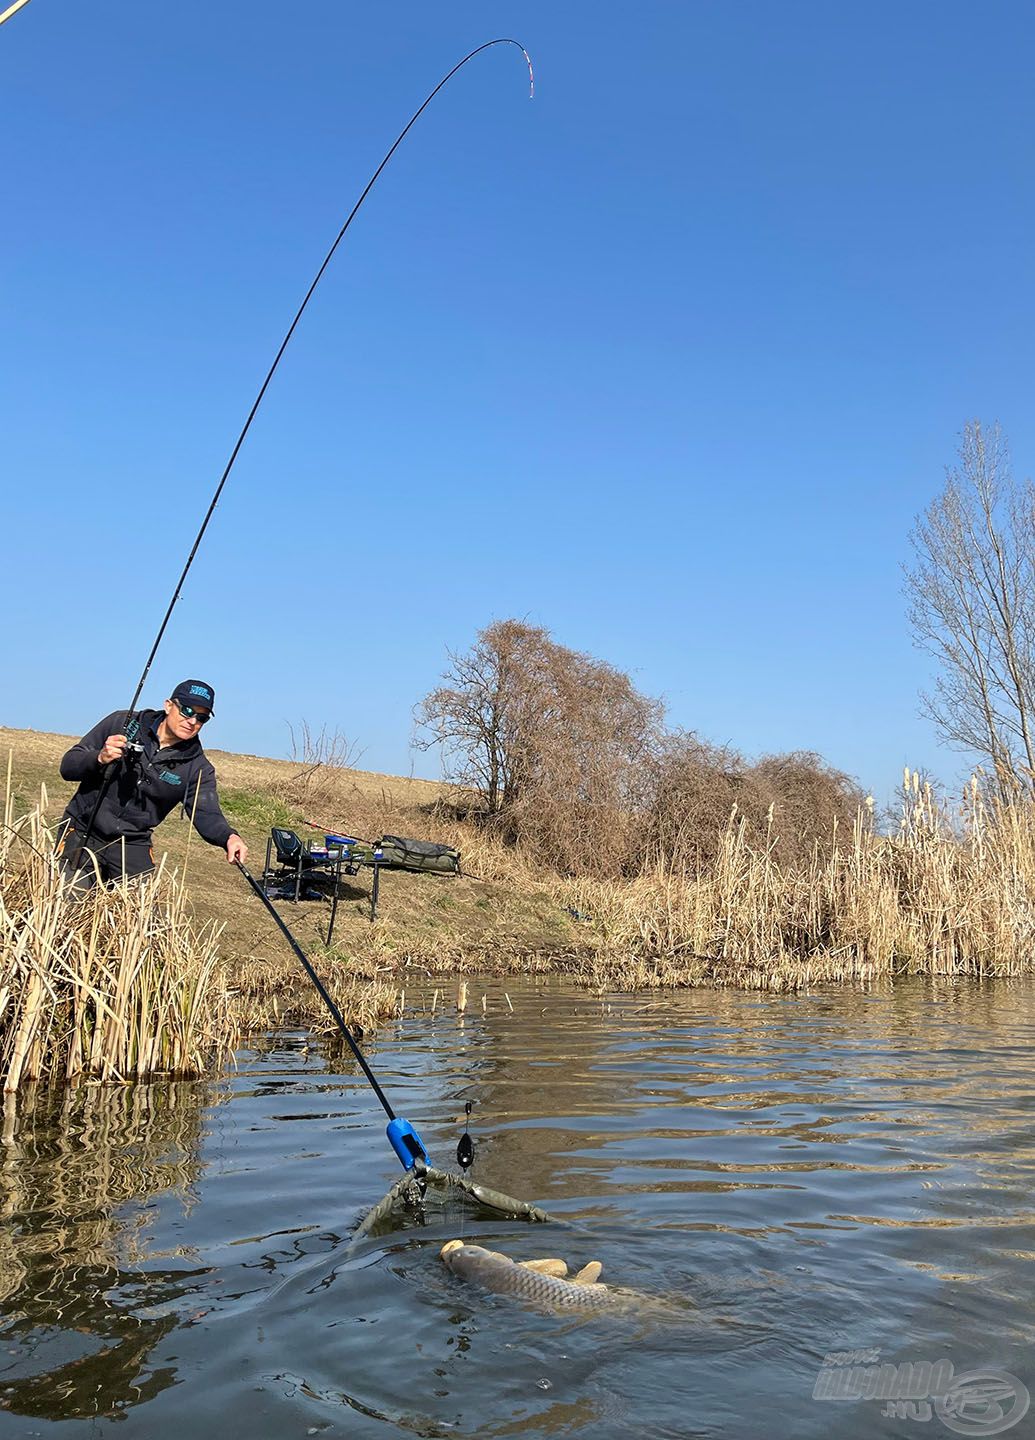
799	1176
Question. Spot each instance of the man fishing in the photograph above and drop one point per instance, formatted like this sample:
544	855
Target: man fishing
161	765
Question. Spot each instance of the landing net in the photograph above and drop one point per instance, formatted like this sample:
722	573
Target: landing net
428	1189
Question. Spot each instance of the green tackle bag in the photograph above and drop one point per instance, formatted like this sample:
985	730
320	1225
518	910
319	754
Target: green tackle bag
421	855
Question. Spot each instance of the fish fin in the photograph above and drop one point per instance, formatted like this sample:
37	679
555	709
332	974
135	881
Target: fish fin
547	1267
589	1274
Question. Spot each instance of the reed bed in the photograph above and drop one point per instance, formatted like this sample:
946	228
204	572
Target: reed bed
118	984
951	893
267	996
128	983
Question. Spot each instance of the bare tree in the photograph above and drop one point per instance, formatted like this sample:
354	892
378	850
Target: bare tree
481	709
972	606
550	740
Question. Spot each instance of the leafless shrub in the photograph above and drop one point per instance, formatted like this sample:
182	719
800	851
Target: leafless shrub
320	758
693	788
794	801
811	802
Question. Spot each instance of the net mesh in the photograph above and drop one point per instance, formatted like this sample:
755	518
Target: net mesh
418	1191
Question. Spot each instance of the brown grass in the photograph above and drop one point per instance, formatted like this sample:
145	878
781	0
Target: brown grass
115	985
199	912
505	915
950	894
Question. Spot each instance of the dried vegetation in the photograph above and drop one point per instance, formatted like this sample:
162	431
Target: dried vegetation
775	877
950	893
127	982
116	985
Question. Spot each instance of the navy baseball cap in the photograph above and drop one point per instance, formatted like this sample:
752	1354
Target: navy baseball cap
195	692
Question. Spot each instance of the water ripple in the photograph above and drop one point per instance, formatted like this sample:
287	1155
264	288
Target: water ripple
795	1176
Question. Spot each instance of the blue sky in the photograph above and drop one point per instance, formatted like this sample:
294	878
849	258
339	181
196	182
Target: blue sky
666	360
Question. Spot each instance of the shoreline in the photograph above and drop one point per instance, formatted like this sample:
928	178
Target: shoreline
925	902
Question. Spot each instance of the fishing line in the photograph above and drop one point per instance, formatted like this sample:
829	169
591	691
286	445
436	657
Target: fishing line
291	330
131	709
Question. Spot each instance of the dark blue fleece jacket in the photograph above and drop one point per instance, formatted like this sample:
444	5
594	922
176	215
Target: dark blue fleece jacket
146	786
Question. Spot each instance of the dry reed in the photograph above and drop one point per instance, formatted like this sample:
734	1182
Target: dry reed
266	994
118	984
761	905
949	894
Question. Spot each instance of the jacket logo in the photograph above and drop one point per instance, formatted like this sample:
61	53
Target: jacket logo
170	778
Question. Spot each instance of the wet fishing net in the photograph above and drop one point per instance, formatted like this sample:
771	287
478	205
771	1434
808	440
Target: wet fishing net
424	1193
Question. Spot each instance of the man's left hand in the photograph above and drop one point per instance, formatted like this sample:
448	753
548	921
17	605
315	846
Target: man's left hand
236	850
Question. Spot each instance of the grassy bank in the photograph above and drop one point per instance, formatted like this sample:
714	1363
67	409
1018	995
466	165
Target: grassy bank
499	920
946	895
198	924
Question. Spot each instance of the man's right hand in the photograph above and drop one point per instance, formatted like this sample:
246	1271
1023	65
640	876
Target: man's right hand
112	749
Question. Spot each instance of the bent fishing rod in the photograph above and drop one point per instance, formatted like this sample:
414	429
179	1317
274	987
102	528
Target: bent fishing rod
12	10
113	766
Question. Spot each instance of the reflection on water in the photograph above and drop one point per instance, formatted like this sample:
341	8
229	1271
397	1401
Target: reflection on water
796	1175
74	1277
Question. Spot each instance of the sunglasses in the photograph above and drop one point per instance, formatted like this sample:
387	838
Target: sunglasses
189	712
